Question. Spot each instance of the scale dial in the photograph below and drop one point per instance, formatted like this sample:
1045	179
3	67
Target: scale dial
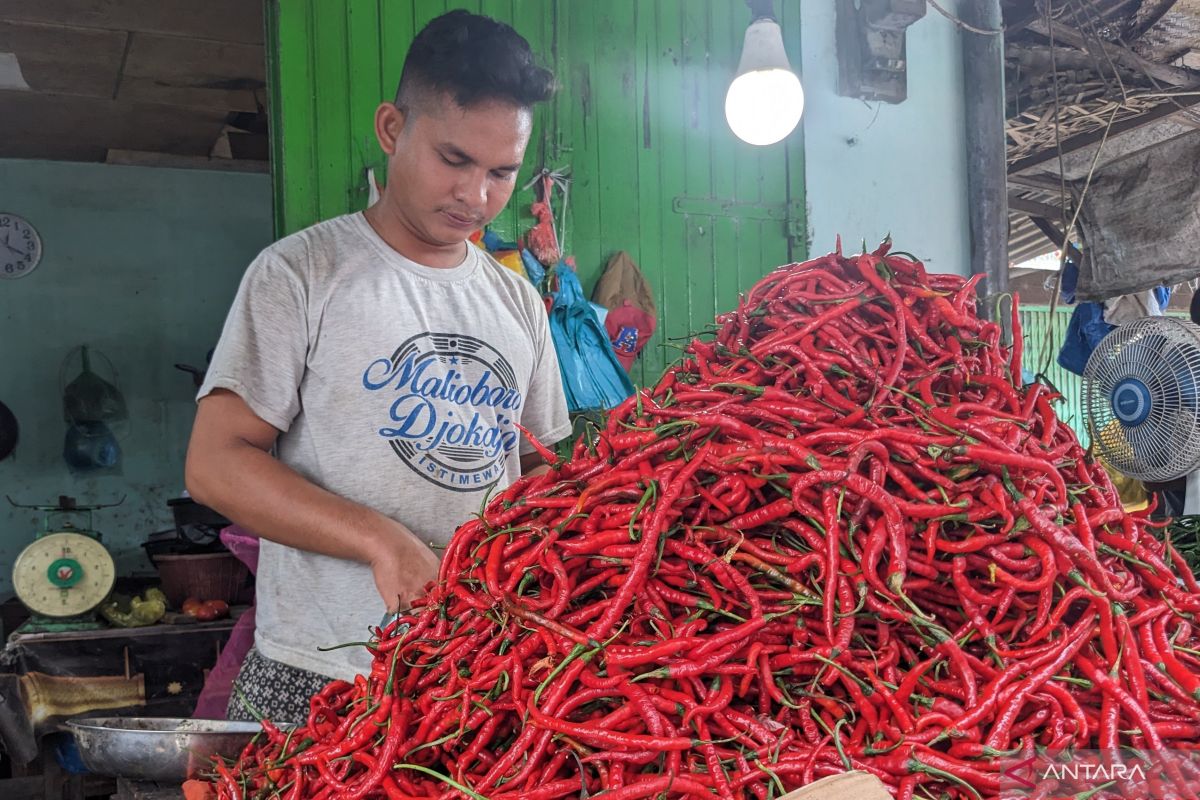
63	575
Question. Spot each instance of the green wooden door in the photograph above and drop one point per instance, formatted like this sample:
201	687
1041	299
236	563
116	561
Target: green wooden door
331	63
639	120
658	172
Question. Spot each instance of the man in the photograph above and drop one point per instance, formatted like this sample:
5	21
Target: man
387	361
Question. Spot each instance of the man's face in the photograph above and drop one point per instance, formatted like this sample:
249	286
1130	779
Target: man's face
452	169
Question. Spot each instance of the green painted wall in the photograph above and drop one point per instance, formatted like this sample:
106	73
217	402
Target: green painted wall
639	120
141	264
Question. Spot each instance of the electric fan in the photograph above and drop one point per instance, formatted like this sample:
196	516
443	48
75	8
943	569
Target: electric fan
1141	398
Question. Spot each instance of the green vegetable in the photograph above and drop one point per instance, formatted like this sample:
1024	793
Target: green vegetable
136	612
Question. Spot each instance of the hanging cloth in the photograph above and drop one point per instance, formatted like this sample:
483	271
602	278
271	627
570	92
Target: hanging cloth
542	239
625	292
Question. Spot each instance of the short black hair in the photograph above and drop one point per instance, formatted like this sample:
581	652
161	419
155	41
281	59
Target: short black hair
474	59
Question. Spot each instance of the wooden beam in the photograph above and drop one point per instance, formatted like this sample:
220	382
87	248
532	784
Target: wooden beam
170	70
63	59
1047	183
1083	140
1021	18
84	128
1173	76
220	20
1033	207
140	89
139	158
1055	235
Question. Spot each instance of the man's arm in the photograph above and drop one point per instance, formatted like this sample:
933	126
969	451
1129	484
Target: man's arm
230	469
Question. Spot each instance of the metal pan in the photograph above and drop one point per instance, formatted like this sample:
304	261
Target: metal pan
157	748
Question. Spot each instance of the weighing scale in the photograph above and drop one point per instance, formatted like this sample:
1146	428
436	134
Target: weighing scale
65	573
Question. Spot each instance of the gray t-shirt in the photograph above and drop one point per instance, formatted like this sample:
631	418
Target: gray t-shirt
395	385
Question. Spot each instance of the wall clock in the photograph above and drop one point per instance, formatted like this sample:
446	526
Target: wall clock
20	246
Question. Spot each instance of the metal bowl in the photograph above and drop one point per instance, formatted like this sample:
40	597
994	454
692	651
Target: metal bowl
157	748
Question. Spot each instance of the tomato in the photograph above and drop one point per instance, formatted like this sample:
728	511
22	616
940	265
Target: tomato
205	610
212	609
220	607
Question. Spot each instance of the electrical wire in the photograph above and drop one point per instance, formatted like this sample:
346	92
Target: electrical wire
1068	228
964	24
1090	25
1062	170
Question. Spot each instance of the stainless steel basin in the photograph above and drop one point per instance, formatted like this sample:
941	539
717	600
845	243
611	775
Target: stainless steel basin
157	748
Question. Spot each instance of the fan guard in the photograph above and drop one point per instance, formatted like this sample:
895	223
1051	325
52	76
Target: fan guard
1141	397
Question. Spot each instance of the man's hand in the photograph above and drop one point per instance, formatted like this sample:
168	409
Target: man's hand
230	469
402	565
533	464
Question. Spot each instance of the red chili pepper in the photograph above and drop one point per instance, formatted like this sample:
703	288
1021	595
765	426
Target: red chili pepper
839	531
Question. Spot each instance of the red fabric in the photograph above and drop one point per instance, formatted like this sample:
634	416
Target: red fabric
629	328
542	240
218	685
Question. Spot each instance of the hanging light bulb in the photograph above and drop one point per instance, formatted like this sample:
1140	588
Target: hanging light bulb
765	100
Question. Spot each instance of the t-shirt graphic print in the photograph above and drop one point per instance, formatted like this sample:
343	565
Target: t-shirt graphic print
451	402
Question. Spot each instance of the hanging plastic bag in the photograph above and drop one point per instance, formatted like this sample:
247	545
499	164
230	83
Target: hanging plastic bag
1084	332
534	270
592	376
90	398
90	447
93	409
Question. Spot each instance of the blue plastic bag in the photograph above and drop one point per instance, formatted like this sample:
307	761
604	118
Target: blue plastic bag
1084	332
534	269
592	376
492	241
1163	295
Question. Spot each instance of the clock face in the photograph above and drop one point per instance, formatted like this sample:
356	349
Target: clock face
20	246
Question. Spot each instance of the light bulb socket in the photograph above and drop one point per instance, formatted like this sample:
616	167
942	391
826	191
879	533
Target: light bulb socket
761	9
762	47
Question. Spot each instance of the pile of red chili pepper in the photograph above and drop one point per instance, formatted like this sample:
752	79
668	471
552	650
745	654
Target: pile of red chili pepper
839	533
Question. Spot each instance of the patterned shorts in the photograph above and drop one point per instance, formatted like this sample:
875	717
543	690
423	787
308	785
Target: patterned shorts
277	691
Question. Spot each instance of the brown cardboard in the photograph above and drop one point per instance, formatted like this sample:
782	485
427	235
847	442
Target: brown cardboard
846	786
